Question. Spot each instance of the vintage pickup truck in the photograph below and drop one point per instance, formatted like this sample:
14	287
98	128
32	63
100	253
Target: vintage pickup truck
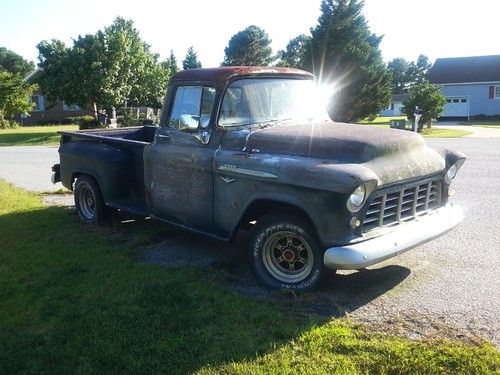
252	148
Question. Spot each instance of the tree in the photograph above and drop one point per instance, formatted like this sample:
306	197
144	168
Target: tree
191	61
170	64
293	55
14	96
14	63
428	98
400	78
344	53
105	69
417	71
250	46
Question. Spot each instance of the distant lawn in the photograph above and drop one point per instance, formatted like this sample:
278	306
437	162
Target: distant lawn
492	126
75	299
426	133
380	120
33	135
444	133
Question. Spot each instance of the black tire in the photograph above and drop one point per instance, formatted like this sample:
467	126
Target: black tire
89	202
283	253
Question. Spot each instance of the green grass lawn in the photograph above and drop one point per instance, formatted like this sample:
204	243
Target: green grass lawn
33	135
75	299
430	133
381	120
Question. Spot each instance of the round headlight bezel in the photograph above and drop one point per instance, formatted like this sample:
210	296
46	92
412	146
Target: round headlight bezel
357	198
451	173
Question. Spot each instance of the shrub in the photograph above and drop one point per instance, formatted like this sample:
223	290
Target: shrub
7	124
84	122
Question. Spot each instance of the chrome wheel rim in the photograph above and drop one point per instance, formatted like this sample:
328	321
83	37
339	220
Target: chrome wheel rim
87	202
287	257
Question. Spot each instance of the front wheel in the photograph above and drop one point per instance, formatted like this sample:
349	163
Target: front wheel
89	203
284	254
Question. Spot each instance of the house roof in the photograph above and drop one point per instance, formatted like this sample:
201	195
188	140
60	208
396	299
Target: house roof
223	74
33	75
465	69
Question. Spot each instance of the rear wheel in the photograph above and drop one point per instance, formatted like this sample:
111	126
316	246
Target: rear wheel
284	254
89	203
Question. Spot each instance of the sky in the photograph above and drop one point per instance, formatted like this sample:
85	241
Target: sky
436	28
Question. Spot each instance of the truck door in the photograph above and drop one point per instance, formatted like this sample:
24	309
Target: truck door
178	164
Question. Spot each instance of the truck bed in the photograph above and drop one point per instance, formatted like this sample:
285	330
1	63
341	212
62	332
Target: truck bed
140	135
114	157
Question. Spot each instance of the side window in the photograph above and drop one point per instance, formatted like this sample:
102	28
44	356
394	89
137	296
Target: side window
192	107
207	105
186	106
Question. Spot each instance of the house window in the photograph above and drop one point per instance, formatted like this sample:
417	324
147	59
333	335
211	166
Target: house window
70	107
392	106
448	100
455	100
38	103
463	100
497	92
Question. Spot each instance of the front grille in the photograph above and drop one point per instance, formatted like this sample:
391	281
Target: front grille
390	208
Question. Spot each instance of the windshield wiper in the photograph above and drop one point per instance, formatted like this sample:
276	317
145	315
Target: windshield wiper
268	123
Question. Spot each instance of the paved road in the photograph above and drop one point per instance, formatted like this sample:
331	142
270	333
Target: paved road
453	281
28	167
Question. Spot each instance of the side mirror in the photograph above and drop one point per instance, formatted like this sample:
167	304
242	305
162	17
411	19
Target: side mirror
189	123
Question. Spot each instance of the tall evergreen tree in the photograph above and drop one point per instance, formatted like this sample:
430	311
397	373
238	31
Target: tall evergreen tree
250	46
345	53
417	72
293	55
400	78
171	63
191	60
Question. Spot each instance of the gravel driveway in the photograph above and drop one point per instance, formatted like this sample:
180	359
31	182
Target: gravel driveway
450	285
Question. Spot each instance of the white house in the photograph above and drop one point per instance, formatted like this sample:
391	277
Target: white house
471	85
396	106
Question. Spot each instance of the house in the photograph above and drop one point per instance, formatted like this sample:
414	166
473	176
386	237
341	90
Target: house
471	85
396	106
47	112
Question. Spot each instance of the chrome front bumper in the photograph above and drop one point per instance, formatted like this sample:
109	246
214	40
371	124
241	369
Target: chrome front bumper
405	236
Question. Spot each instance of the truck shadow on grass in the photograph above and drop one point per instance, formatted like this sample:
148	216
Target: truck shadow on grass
225	264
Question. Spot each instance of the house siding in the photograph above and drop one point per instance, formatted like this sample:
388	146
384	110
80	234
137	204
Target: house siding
51	112
478	94
396	106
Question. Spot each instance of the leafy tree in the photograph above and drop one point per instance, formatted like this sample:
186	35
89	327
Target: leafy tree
14	96
293	55
191	61
344	53
417	71
105	69
14	63
400	78
428	98
250	46
170	64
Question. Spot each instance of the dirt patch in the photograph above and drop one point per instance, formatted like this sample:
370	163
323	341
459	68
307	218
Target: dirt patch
58	200
351	294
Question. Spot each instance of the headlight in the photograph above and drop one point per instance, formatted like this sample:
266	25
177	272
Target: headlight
451	173
356	199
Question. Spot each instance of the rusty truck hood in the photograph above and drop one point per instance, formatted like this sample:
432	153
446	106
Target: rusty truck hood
393	155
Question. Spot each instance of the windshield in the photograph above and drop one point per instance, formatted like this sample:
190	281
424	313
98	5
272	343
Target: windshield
266	100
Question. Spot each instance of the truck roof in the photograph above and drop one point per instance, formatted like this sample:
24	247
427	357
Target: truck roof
222	74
